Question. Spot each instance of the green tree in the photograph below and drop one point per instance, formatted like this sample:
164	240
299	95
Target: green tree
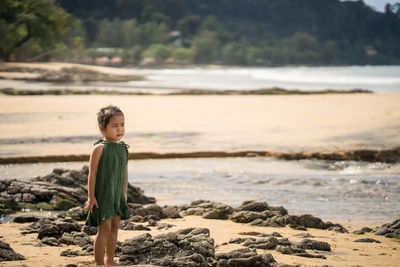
158	52
205	47
38	26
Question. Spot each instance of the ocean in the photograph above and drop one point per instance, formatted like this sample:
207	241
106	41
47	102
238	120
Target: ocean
331	190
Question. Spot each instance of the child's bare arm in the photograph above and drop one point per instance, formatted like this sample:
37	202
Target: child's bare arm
93	165
126	183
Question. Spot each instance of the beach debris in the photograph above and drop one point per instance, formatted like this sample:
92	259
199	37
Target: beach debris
8	254
367	240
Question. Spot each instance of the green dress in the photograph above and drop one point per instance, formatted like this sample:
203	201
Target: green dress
110	184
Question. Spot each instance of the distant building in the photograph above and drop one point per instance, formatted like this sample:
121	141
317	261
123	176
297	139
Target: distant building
370	50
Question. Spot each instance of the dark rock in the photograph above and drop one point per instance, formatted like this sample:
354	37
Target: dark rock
26	218
49	230
171	212
220	212
8	254
126	225
193	245
89	230
367	240
251	205
51	241
76	238
236	240
304	235
246	216
289	249
74	253
68	227
306	220
313	244
77	213
308	255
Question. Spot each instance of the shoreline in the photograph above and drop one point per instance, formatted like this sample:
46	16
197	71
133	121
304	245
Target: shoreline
369	155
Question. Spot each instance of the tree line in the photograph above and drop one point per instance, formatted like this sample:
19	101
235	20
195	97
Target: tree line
251	32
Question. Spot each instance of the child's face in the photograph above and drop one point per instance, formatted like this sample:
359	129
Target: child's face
115	129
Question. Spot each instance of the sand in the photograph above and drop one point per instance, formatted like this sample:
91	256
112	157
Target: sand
344	252
197	123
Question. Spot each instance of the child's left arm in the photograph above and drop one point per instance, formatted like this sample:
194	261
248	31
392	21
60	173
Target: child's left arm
126	183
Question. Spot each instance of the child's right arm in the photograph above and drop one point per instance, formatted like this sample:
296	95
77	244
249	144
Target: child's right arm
93	164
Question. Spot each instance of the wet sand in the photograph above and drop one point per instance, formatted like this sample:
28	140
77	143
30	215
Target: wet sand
64	125
344	251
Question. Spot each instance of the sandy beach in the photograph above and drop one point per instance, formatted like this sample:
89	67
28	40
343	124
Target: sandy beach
344	251
60	125
47	125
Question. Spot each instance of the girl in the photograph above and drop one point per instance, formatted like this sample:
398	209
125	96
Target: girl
108	184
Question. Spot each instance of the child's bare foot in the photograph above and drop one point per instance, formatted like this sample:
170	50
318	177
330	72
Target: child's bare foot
111	263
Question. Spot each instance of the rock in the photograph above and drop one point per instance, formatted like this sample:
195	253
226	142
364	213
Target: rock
62	188
51	241
171	212
77	213
126	225
154	210
313	244
308	255
367	240
89	230
68	227
252	205
8	254
74	253
390	230
307	220
49	230
193	245
25	218
289	249
76	238
246	216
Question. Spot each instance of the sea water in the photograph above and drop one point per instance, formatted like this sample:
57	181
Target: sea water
334	190
379	79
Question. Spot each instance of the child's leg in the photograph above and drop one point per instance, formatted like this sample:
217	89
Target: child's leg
112	241
100	241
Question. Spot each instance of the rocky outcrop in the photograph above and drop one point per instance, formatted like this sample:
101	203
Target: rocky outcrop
61	190
390	230
186	247
284	246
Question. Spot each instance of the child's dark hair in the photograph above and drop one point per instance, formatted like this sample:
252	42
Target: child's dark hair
106	113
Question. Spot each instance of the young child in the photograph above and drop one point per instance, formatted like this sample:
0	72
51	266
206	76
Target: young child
108	184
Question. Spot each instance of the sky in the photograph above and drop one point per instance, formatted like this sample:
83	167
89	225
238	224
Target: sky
379	5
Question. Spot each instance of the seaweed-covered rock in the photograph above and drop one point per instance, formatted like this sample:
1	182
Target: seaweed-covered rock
390	230
60	189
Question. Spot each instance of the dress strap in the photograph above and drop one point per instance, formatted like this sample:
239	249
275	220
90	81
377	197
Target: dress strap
99	141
